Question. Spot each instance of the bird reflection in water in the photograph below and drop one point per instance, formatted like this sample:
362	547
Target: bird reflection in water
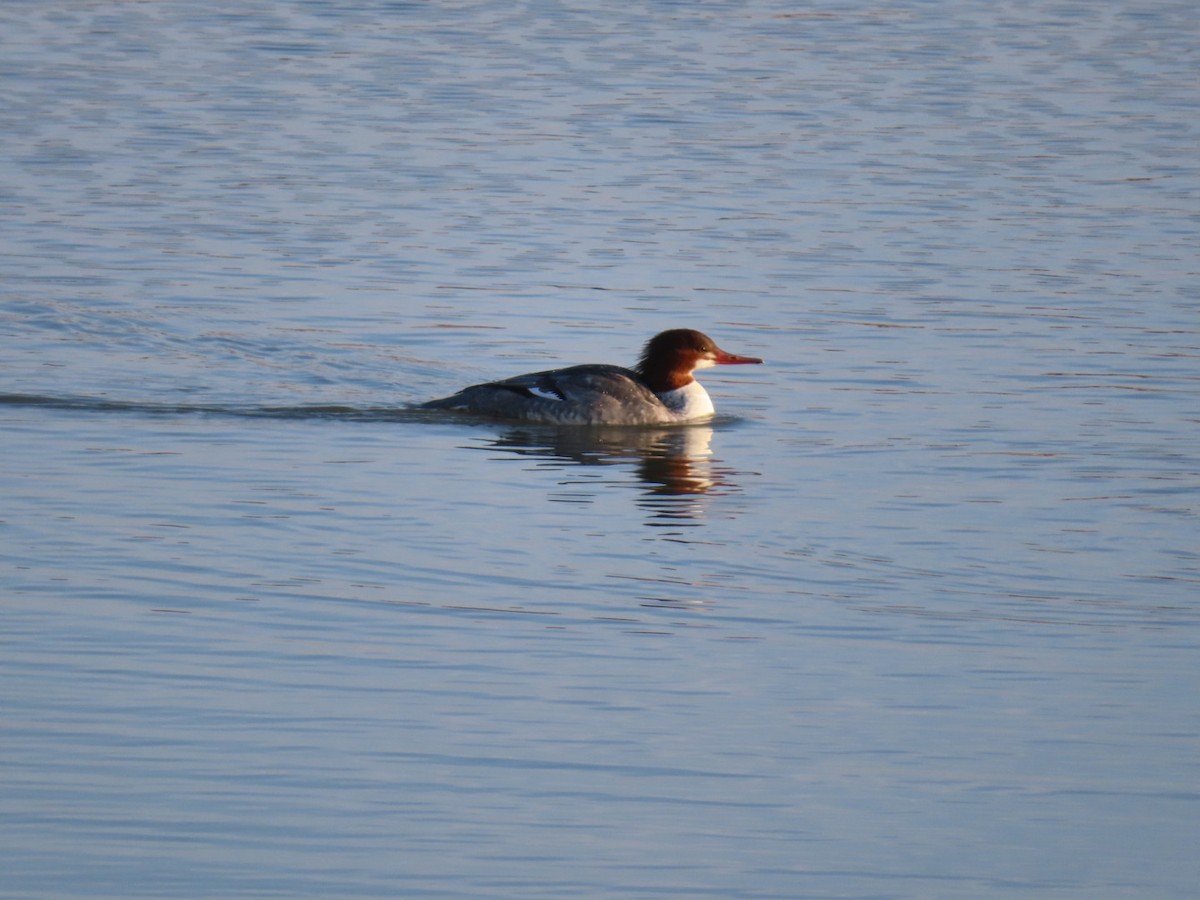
674	464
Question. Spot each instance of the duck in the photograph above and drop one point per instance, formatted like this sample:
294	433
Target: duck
660	389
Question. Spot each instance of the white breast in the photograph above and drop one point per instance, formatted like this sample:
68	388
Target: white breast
688	402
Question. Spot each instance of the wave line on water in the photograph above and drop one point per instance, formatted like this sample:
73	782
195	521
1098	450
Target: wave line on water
315	411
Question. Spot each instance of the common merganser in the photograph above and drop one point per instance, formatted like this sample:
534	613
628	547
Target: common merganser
660	389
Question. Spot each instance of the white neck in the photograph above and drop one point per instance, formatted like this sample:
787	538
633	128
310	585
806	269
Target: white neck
688	402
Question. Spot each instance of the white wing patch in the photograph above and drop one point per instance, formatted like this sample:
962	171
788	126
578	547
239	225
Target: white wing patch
544	394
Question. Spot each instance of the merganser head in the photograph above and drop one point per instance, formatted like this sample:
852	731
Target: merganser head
670	357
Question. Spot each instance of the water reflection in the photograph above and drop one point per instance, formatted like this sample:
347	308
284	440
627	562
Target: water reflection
674	465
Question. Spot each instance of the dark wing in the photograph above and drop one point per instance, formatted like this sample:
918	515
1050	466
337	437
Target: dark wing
578	384
592	394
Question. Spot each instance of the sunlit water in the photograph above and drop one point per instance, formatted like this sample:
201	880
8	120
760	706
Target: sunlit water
914	617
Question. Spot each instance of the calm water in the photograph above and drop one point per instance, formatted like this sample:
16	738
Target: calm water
915	617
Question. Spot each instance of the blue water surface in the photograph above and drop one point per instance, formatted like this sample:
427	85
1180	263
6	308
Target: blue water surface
914	617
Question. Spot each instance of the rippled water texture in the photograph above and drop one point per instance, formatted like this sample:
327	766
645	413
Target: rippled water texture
914	617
